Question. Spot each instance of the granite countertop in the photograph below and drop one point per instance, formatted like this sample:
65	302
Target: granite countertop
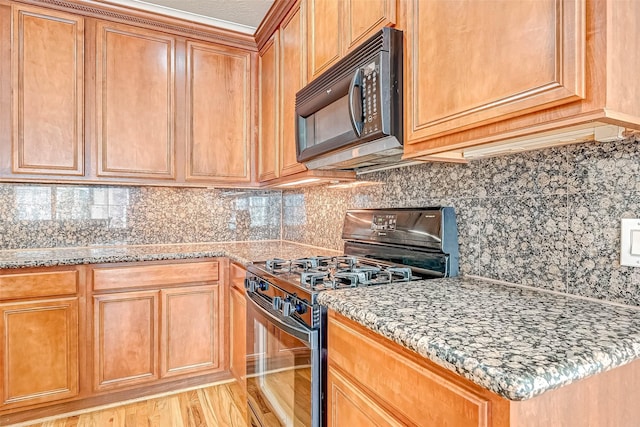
242	252
515	341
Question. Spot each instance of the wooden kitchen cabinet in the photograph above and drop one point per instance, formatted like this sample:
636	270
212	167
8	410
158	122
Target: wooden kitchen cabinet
403	386
478	72
467	63
126	339
335	27
292	75
219	111
135	99
374	381
237	323
268	140
154	321
349	406
39	358
190	329
48	91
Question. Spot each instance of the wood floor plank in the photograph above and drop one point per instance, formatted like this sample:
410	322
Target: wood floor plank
217	406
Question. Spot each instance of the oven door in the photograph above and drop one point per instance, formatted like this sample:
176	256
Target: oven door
283	368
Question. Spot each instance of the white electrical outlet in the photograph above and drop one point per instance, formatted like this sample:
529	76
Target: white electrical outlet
630	242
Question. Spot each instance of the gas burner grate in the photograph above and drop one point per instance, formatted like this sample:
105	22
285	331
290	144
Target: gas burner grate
278	265
324	272
312	279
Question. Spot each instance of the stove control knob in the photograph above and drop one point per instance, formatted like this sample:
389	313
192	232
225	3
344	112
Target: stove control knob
287	308
300	307
251	284
277	302
263	285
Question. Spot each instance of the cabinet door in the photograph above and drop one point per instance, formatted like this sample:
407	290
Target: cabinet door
362	18
349	406
48	110
135	78
39	355
292	79
268	124
237	322
471	63
219	113
237	333
125	347
324	42
190	332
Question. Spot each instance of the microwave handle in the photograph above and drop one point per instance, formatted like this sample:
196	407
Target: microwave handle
356	81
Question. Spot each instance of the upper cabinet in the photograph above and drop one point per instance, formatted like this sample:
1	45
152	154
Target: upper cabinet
218	113
135	97
472	62
292	79
335	27
123	99
504	72
268	144
47	63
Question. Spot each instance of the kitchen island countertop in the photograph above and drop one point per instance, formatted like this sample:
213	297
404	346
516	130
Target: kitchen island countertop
515	341
242	252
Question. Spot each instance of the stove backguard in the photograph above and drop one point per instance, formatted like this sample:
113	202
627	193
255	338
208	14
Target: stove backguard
425	239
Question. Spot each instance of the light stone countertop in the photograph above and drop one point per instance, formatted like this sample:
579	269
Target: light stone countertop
242	252
515	341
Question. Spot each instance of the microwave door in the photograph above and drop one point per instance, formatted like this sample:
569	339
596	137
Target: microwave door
332	126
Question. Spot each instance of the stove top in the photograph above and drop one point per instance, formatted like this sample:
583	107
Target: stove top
321	272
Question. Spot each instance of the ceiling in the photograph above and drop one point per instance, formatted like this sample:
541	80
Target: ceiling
239	15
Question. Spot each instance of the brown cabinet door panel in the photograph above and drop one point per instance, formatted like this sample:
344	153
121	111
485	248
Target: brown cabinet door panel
362	18
190	334
39	356
324	35
471	63
48	100
219	112
238	333
269	118
349	406
135	77
125	338
292	79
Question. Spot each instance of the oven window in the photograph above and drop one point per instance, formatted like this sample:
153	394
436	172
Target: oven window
279	375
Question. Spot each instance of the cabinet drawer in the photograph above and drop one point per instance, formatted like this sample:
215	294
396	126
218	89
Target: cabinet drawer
109	278
34	285
400	382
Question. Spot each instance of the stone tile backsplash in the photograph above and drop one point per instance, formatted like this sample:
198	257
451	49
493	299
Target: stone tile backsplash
548	218
44	216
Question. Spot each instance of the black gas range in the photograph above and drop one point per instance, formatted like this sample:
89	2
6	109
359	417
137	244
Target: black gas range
382	247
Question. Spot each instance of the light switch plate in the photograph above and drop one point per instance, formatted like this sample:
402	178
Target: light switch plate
630	242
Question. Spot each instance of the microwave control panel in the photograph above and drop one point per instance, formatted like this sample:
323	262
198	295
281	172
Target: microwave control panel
371	102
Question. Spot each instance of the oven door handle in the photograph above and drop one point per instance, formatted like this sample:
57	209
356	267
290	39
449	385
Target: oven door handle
306	335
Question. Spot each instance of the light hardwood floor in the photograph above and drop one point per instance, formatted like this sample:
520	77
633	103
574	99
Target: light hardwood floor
220	405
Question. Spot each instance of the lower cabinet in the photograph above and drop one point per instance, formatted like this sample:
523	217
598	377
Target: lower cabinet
39	338
349	406
237	323
369	379
39	356
154	323
126	341
373	381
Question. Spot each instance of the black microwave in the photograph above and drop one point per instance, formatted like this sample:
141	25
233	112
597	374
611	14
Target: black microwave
351	115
